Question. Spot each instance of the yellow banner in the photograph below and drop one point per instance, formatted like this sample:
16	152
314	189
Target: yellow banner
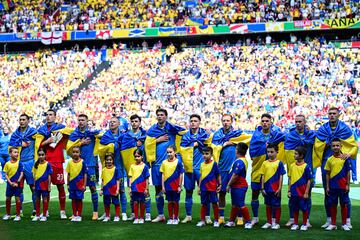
341	23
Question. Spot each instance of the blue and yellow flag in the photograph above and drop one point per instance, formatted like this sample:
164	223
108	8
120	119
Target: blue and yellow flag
110	142
166	31
325	135
194	22
294	139
18	137
128	145
258	145
220	137
192	156
157	152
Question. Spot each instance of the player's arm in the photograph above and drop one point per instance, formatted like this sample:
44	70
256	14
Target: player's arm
289	187
117	187
130	177
85	180
162	182
219	183
163	138
306	194
8	179
20	178
278	192
262	184
181	180
233	179
146	192
327	183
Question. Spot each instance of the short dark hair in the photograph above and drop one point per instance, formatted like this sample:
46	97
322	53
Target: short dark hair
334	108
12	148
336	140
25	115
195	116
173	147
207	149
267	115
52	110
241	148
301	115
109	154
301	150
83	115
273	145
139	152
161	110
135	116
78	147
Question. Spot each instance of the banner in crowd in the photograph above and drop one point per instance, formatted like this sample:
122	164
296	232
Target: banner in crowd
195	27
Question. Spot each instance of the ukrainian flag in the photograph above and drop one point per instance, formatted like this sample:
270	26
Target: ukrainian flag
166	31
205	29
194	22
325	135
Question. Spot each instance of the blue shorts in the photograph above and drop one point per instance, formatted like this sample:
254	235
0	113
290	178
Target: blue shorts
138	197
156	175
299	203
224	175
28	175
272	200
172	196
13	191
41	193
108	199
76	194
336	194
208	197
255	186
238	197
91	177
191	178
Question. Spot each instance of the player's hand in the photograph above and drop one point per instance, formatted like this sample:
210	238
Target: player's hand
85	141
16	184
347	188
278	192
344	156
101	192
228	189
49	140
179	189
306	195
218	189
328	191
139	143
84	188
163	190
25	144
163	138
228	143
117	192
263	192
289	194
196	144
146	192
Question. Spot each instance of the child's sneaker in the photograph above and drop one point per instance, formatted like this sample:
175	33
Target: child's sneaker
348	223
208	220
200	224
124	217
294	227
248	226
255	221
141	221
170	222
229	224
175	221
266	226
290	222
62	215
187	219
304	228
43	219
136	221
331	227
78	219
35	218
6	217
345	227
221	220
275	226
106	219
73	219
240	221
116	219
159	218
148	217
216	224
17	218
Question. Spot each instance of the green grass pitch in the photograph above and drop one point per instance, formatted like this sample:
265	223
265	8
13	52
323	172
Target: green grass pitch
55	228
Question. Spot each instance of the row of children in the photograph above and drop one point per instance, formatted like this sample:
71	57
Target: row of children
272	171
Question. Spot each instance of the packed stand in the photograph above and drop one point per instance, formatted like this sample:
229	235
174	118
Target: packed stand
26	16
31	83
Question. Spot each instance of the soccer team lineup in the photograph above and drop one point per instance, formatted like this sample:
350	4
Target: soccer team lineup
181	163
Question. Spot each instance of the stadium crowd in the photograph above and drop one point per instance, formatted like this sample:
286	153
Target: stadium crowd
34	81
29	16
